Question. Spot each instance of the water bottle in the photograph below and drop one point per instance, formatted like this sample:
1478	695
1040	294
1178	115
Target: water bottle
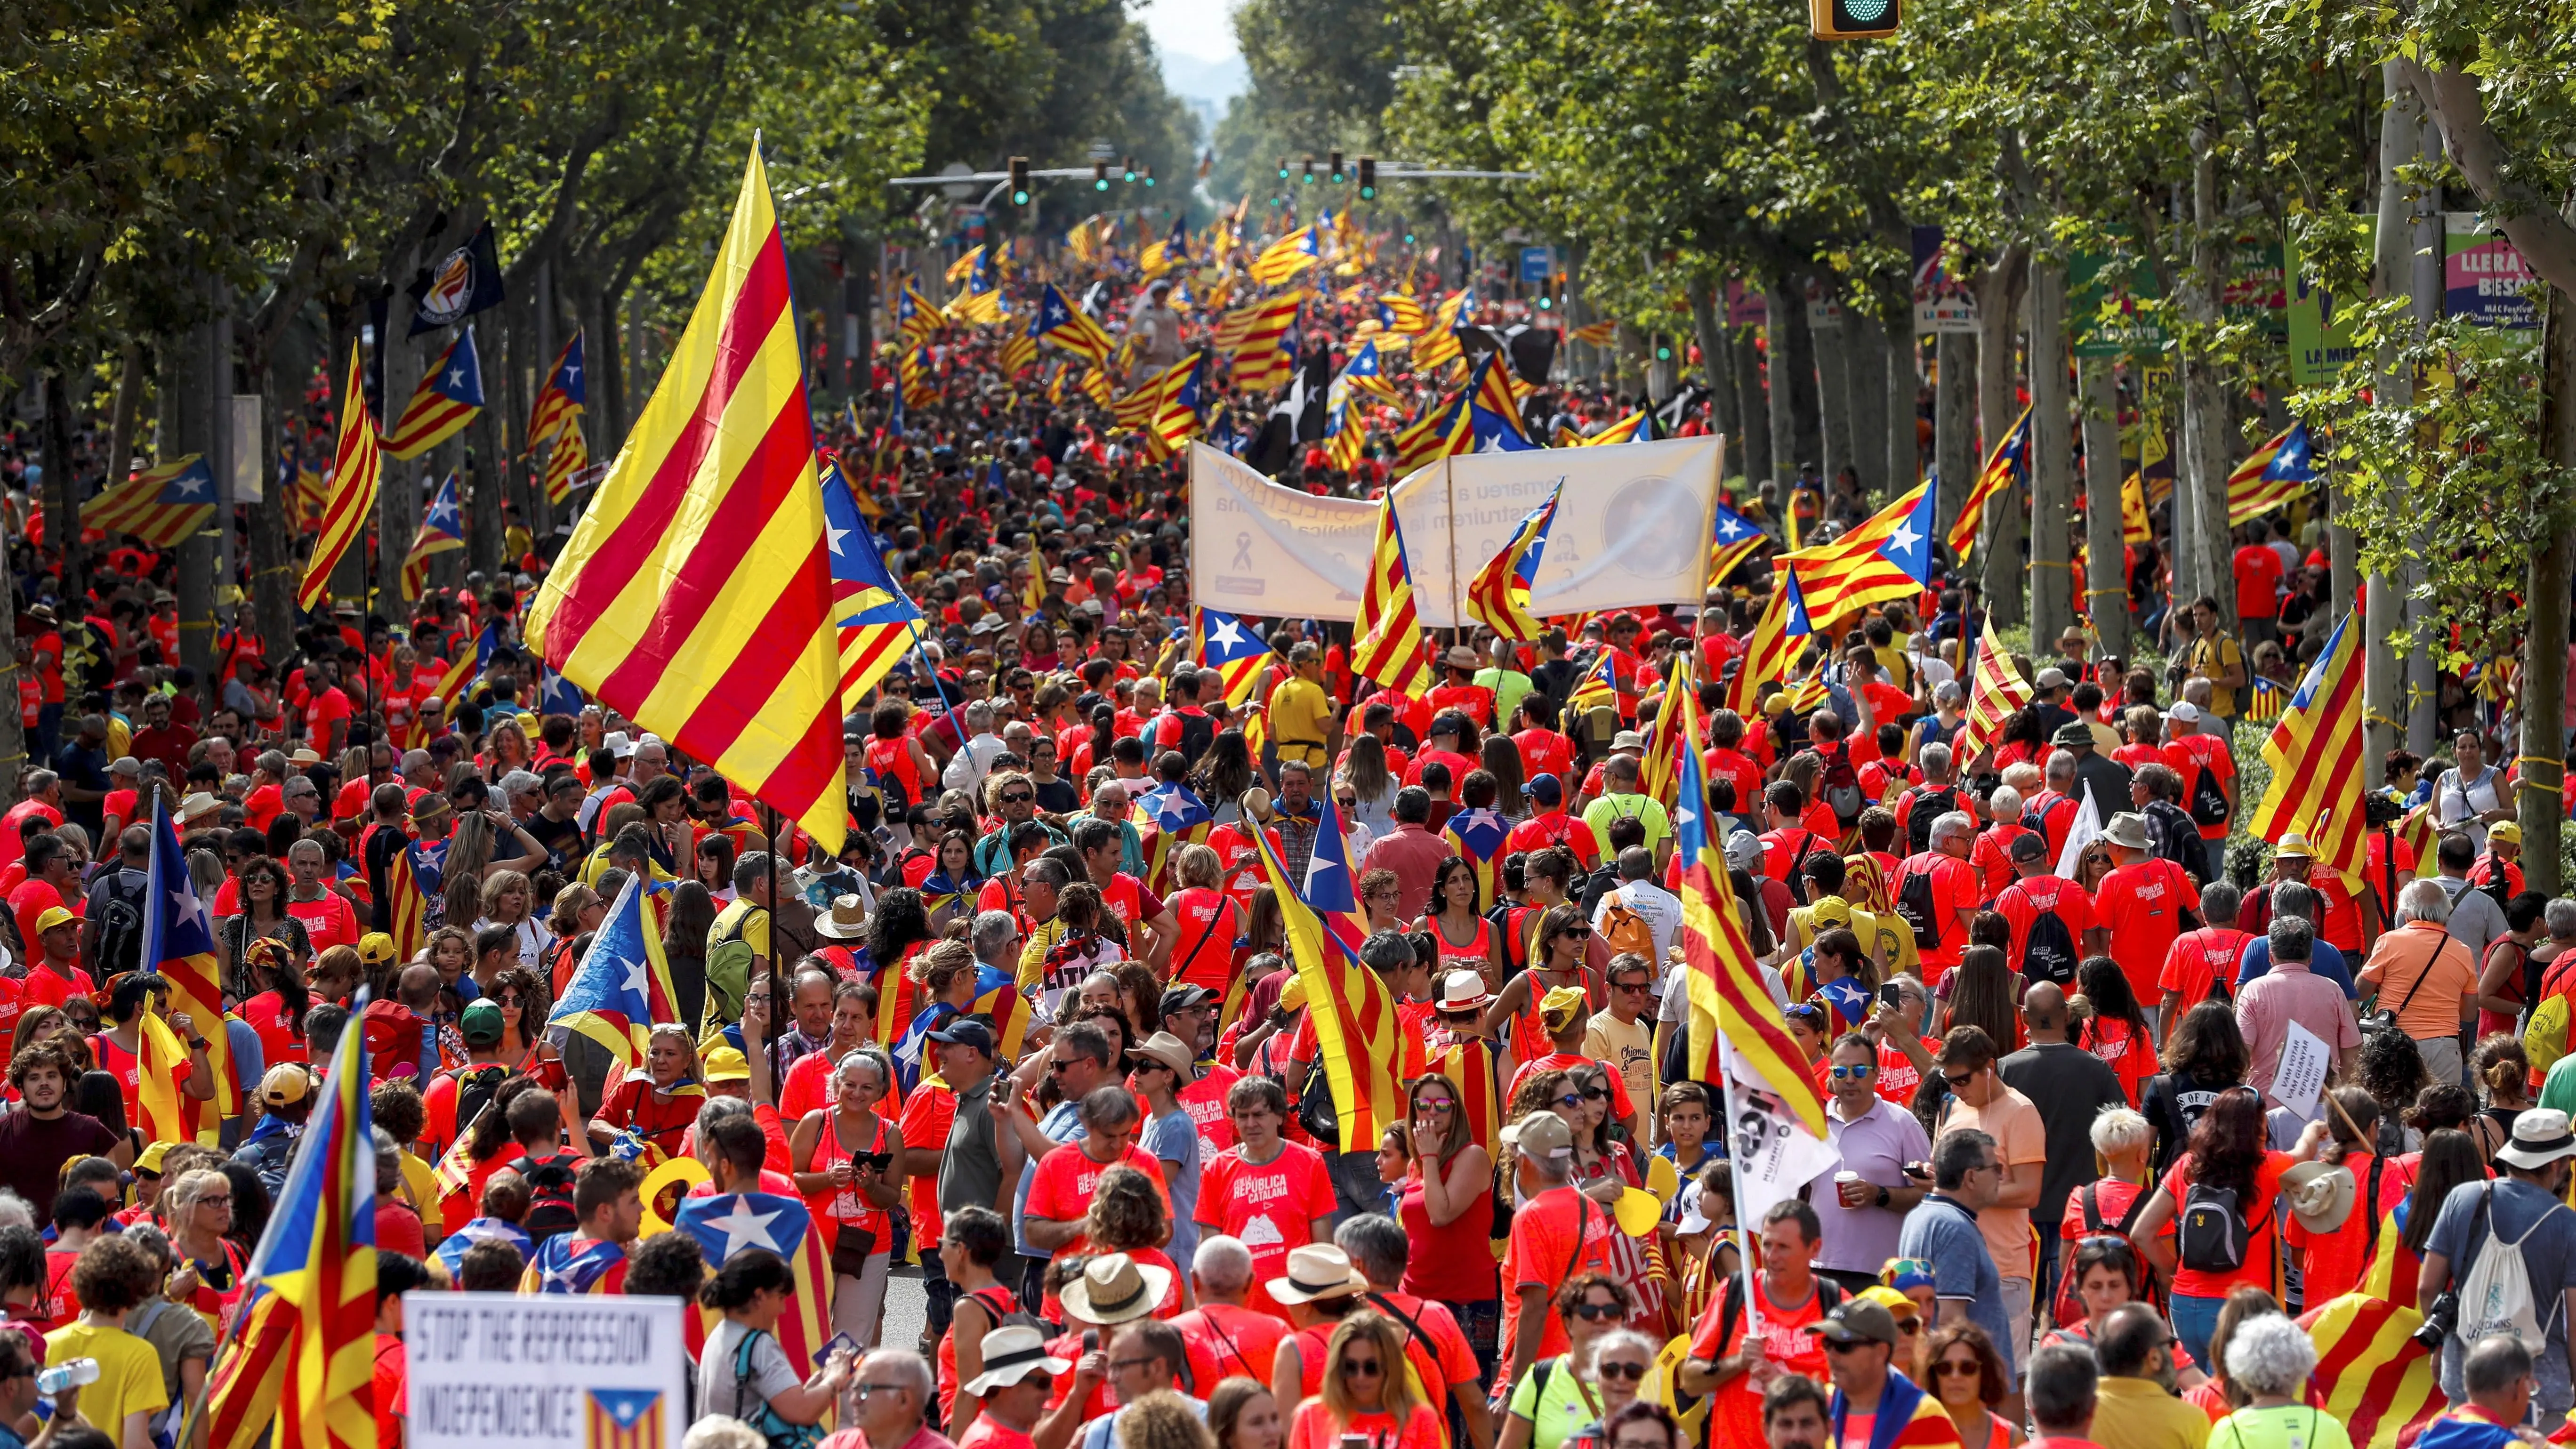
70	1373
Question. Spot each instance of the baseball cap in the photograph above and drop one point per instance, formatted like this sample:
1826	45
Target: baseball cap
1186	998
2185	711
2071	734
480	1023
2050	678
1544	1134
1856	1320
53	916
2030	846
285	1085
966	1031
375	948
724	1064
1546	789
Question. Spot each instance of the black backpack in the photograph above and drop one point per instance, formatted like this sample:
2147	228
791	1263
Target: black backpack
475	1088
2052	954
2208	800
2212	1234
550	1186
1198	733
1918	822
1914	902
120	923
1841	786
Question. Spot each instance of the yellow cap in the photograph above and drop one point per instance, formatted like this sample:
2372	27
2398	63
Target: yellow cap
1561	1004
1293	995
724	1064
2505	832
1897	1304
149	1159
375	948
53	916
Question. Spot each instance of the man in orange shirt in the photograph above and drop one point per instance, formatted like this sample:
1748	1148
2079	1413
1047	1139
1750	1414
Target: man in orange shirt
1558	1236
1462	693
2426	978
1550	825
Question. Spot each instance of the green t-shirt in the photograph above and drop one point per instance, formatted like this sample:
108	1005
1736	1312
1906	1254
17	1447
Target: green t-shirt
1641	808
2292	1426
1509	690
1555	1415
2558	1090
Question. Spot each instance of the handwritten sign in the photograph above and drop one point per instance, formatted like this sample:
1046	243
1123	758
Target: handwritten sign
2305	1058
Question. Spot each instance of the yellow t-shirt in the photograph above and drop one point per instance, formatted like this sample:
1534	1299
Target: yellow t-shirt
730	925
1629	1049
1299	715
129	1374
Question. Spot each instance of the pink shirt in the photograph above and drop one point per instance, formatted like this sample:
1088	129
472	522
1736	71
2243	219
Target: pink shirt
2265	1009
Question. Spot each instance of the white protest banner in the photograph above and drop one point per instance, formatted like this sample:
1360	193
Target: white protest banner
1774	1153
2305	1059
554	1372
1631	529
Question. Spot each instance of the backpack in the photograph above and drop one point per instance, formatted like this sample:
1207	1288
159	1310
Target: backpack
2212	1233
1198	735
120	925
475	1088
2496	1296
2208	799
2067	1308
2051	953
550	1185
1841	784
1625	932
776	1431
1914	902
1918	822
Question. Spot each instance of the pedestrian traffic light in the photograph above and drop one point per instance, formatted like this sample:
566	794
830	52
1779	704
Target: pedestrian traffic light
1854	19
1130	164
1368	178
1335	158
1100	176
1020	181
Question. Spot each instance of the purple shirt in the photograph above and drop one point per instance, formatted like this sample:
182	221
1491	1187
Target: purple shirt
2291	992
1877	1145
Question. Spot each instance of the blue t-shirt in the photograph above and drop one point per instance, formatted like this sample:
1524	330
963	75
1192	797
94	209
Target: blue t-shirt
1944	1234
2546	1229
2323	960
1062	1123
1174	1139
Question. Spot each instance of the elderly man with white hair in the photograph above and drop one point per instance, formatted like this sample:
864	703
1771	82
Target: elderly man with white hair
1937	892
1224	1337
2425	978
894	1390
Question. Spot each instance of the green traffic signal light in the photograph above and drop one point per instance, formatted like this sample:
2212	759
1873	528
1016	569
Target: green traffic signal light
1663	353
1019	198
1545	303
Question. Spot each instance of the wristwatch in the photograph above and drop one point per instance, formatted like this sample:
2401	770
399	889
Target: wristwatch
196	1043
1882	1197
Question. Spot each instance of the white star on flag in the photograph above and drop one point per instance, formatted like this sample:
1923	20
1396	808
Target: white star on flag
571	373
1729	529
1904	539
1229	635
189	483
187	910
635	975
456	377
832	538
744	1228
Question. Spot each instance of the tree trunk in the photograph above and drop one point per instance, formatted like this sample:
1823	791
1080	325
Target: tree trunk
1904	386
1780	367
2052	465
2200	520
397	485
1752	413
1713	358
2106	551
63	499
2401	137
2544	654
1806	413
541	318
273	574
2423	619
122	413
1865	383
1832	345
607	361
2002	536
488	475
1954	419
198	382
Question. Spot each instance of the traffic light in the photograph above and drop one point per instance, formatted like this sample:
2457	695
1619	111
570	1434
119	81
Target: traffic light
1130	164
1020	192
1147	175
1545	302
1854	19
1283	168
1663	350
1368	178
1335	159
1310	170
1100	176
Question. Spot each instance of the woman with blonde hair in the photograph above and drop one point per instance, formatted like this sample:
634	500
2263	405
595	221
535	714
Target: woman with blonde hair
508	900
1163	1420
1365	1392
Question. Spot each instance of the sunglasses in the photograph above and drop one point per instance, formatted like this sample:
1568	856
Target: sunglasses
1017	797
1844	1074
1632	1372
1595	1312
1570	1099
1637	987
1595	1094
1434	1104
1960	1080
1952	1369
1362	1368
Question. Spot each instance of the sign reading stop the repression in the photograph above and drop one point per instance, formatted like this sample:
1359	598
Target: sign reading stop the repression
574	1372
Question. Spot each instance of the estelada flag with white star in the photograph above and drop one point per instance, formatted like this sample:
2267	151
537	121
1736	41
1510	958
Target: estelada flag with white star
1732	539
734	1222
179	943
878	622
449	396
1887	556
161	506
623	986
1062	323
442	530
1234	650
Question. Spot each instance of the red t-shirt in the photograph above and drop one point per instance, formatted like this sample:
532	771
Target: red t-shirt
2025	901
2257	1268
393	1388
1062	1189
330	921
1735	1411
321	712
1546	1252
2141	906
659	1121
1272	1207
1225	1340
2193	755
2258	582
1954	889
2199	959
1544	752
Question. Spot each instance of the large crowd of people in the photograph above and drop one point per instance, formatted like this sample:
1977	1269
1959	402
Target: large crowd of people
1037	1035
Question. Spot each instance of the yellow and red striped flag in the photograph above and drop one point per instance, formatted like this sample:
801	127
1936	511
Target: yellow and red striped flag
179	943
568	463
695	595
1596	334
1288	256
1996	691
442	530
1387	643
352	499
1439	342
449	396
1727	998
563	396
1778	635
1499	595
920	389
161	506
2274	476
2315	754
1659	771
1357	1031
2010	460
1019	354
1886	556
2377	1379
1425	439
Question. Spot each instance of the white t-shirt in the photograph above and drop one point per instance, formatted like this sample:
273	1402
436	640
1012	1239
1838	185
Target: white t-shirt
771	1373
1661	908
